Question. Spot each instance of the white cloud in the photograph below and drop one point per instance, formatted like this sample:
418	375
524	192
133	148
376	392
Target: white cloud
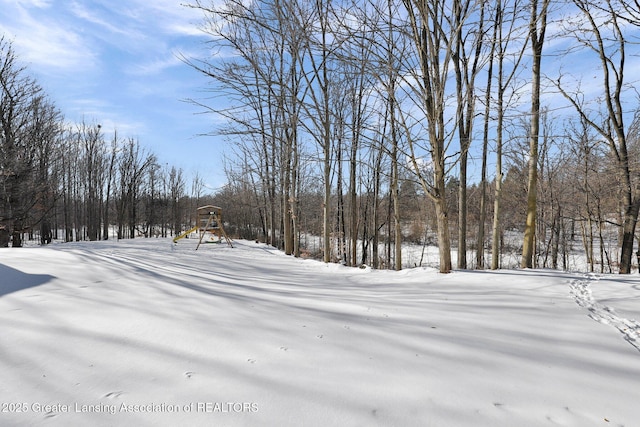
154	66
170	17
174	17
44	41
94	17
29	3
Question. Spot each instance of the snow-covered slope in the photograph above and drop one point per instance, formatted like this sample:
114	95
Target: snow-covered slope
147	333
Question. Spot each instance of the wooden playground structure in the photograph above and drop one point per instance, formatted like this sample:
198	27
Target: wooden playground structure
208	220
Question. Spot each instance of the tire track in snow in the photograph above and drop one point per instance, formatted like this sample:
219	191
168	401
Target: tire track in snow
581	291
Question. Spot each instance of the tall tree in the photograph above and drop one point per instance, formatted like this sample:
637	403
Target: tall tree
46	129
480	241
177	193
603	34
433	34
467	62
109	181
262	75
507	69
132	165
27	119
318	54
92	165
355	59
537	29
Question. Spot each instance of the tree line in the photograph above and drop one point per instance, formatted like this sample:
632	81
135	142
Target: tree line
74	182
340	109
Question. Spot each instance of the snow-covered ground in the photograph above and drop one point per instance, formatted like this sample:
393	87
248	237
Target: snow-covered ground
147	333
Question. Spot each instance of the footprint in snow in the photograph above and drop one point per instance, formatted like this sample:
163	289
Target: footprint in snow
114	394
581	291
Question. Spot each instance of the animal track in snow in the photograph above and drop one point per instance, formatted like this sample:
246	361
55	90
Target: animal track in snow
581	291
114	394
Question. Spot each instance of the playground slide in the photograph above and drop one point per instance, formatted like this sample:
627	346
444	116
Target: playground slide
175	239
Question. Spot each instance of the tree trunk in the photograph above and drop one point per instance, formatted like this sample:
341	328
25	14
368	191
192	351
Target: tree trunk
434	44
462	210
537	40
444	239
397	228
483	172
376	207
394	176
326	208
286	206
353	200
628	233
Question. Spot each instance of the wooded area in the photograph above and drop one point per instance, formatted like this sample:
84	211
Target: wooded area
71	181
361	126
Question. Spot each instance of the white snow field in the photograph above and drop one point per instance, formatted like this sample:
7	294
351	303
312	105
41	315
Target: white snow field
148	333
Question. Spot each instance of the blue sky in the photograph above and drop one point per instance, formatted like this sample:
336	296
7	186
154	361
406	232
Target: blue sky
116	63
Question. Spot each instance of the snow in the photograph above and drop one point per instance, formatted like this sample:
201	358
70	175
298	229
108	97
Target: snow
148	333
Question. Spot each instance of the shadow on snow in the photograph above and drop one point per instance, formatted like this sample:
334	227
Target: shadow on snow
12	280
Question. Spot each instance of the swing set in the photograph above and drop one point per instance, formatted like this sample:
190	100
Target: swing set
208	220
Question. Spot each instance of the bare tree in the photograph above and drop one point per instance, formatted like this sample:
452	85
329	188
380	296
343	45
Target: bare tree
45	132
317	53
110	170
356	58
537	29
177	193
263	80
433	33
91	166
603	34
506	32
28	124
388	73
485	144
467	62
132	165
